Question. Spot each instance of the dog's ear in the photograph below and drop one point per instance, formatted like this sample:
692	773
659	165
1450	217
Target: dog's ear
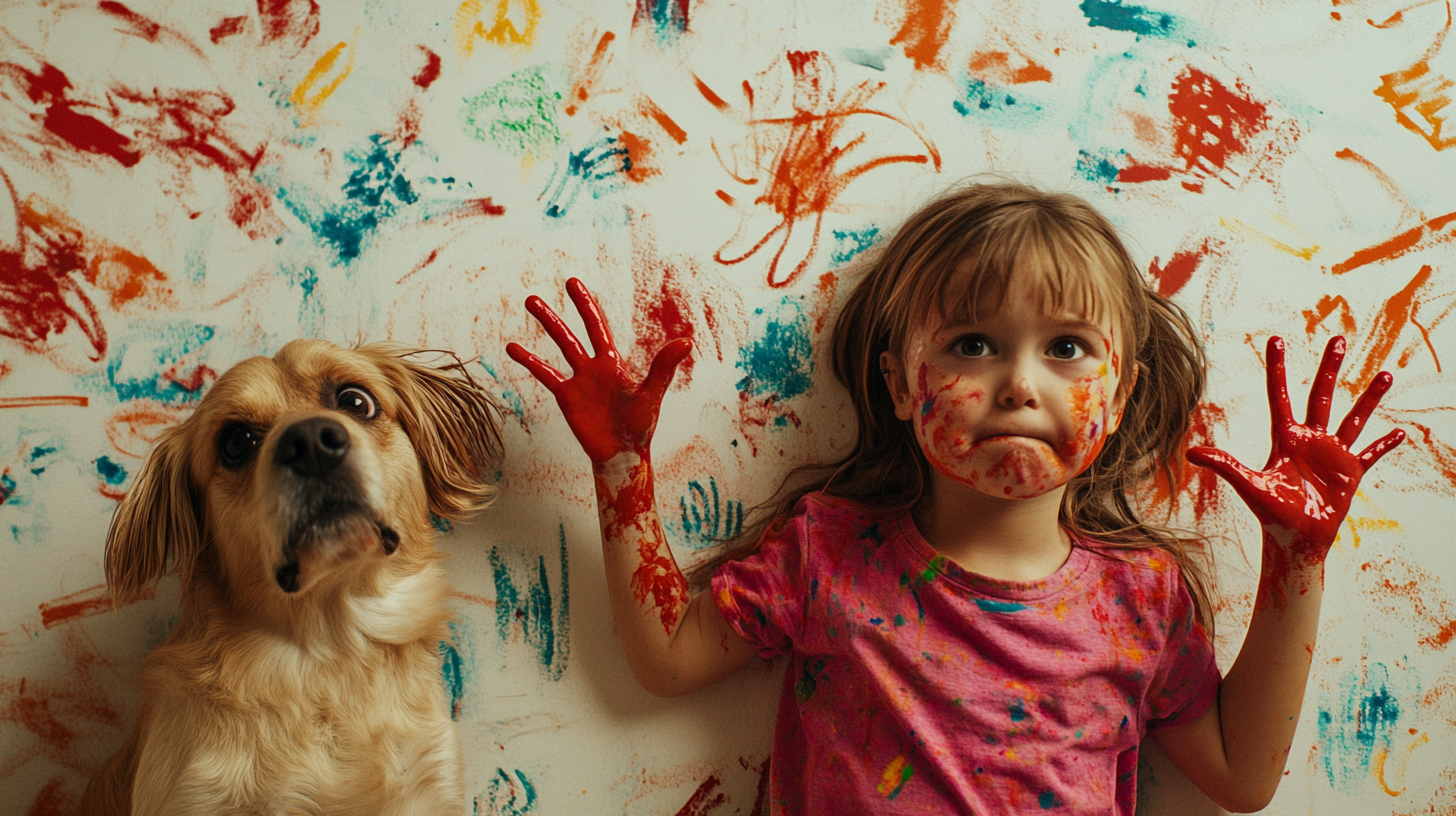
454	426
158	525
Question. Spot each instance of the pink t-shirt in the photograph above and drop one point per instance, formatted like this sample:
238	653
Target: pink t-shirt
915	686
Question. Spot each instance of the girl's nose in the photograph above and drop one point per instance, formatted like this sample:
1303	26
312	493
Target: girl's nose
1018	391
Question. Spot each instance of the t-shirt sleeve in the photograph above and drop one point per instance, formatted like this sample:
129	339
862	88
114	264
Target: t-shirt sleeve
762	596
1187	677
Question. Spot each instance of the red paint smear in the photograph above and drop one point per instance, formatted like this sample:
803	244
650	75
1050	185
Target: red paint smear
1326	307
1389	323
1135	173
125	276
430	72
68	718
1212	122
995	66
590	75
1423	603
828	283
1200	485
84	604
1424	236
229	27
1180	268
85	133
927	24
141	26
192	381
704	801
657	579
724	197
39	295
1443	456
42	402
660	116
639	156
53	800
713	99
661	314
292	21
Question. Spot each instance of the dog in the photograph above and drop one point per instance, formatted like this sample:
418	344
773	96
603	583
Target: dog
304	672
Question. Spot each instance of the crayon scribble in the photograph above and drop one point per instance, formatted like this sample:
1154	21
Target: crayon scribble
528	609
512	22
517	114
705	517
596	168
1357	723
457	667
507	794
777	367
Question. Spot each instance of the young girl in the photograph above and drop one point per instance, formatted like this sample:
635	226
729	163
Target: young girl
976	619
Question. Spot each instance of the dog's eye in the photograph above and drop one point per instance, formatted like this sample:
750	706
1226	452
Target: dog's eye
236	445
357	401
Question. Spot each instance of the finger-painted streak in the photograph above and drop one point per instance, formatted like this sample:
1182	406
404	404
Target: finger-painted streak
924	31
230	26
144	27
1173	276
430	71
1240	228
1443	456
1326	307
469	27
85	133
1436	231
1213	122
1377	770
1389	323
42	402
53	800
305	98
995	66
724	197
713	99
704	800
1408	210
591	74
1417	90
1112	14
85	603
475	599
1136	173
660	116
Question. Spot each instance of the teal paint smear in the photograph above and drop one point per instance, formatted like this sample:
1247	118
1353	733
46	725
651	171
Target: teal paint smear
705	517
1048	800
780	362
666	18
110	472
455	668
508	794
999	606
37	454
517	114
998	105
1361	720
529	607
1112	14
1017	710
375	191
1096	168
134	369
597	168
808	682
849	244
7	487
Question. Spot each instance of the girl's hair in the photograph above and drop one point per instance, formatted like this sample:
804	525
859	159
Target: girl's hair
955	257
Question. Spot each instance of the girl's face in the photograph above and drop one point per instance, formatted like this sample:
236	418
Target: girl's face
1013	404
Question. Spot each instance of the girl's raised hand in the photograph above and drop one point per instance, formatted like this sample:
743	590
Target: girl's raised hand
608	412
1304	490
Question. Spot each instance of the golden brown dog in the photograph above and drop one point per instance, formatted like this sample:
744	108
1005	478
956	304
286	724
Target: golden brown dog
304	672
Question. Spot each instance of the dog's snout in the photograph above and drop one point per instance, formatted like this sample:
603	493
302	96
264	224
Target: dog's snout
312	447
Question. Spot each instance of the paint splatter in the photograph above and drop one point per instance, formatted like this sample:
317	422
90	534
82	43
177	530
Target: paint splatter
375	191
893	780
320	83
924	31
1357	725
1170	278
512	22
661	310
429	72
780	363
1400	591
528	609
1112	14
508	794
850	244
1212	122
517	114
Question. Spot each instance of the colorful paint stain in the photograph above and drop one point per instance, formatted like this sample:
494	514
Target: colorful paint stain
529	609
924	31
895	775
1434	232
375	190
457	666
1113	14
509	793
705	518
666	19
999	67
85	603
597	168
1170	278
1419	95
161	365
809	679
1003	607
981	99
1212	122
517	114
321	81
1094	168
705	799
850	244
661	310
511	22
1357	724
780	362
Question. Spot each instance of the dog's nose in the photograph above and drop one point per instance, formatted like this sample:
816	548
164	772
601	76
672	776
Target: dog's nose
312	447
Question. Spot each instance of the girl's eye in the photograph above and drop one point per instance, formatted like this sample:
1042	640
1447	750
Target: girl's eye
236	445
354	399
1067	349
971	346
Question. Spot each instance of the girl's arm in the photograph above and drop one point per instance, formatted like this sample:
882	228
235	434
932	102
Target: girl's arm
674	644
1236	752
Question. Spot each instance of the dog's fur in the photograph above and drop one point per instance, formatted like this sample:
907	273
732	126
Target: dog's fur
303	675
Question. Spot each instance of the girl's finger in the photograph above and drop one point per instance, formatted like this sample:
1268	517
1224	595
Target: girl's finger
664	366
1226	466
571	347
548	376
1322	391
1280	415
1380	447
1355	420
597	329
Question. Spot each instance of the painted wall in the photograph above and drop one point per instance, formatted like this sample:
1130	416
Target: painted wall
190	184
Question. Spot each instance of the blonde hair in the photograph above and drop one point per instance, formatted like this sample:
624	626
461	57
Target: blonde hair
955	256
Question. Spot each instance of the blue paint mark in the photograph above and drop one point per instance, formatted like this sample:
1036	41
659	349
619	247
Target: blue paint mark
1359	722
877	621
667	18
999	606
513	402
1096	168
598	167
543	624
780	362
1114	15
808	682
982	100
869	58
1017	710
851	243
927	407
134	371
111	473
7	486
453	669
508	794
441	525
1048	800
375	191
873	533
38	453
706	518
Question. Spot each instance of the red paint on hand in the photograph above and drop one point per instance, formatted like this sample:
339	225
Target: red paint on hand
1303	493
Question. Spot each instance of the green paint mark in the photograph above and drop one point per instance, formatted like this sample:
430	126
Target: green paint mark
518	114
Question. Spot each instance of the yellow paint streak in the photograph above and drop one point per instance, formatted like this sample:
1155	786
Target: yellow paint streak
513	23
305	99
1377	769
892	778
1060	610
1241	228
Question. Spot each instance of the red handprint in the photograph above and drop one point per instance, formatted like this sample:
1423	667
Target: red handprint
1303	493
607	412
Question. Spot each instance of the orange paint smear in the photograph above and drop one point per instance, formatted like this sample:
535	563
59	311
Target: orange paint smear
1389	323
995	67
1432	233
1408	593
924	31
84	603
1443	456
133	429
591	75
660	116
639	156
125	276
42	402
713	99
1197	484
724	197
1391	188
64	720
1418	96
1326	307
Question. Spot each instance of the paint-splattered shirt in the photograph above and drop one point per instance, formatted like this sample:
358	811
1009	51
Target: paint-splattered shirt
915	686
